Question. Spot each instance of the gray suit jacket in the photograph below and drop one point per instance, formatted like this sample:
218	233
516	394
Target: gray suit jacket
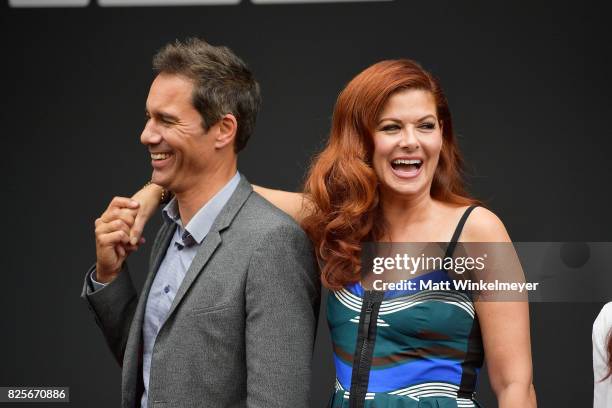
240	331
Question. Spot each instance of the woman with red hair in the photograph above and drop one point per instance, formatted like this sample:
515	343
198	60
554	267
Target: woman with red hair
392	172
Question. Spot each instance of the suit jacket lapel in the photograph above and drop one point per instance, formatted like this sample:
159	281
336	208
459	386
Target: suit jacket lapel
133	351
213	239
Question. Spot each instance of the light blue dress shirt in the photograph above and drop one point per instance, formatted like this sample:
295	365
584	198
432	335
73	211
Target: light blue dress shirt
180	253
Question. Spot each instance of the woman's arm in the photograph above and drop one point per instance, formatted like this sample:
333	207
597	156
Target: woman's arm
148	197
294	204
504	326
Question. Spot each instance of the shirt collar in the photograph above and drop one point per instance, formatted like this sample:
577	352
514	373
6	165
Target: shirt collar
201	222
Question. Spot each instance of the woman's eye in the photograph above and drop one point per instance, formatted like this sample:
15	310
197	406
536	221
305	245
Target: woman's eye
427	126
390	128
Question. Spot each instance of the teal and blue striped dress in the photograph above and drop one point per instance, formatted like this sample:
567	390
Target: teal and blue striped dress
405	348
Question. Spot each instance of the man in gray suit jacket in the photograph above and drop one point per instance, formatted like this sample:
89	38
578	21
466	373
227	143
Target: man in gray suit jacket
228	311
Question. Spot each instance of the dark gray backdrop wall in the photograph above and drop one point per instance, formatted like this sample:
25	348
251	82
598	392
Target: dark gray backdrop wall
528	86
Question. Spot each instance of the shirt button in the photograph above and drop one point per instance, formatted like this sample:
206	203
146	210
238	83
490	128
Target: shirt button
167	289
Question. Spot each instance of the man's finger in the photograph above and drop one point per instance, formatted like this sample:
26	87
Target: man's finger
125	214
113	238
120	251
123	202
108	227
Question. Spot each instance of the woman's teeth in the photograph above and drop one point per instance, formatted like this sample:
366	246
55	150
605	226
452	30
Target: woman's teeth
406	164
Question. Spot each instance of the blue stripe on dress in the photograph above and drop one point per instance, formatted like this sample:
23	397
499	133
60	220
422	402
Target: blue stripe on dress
355	289
414	372
343	373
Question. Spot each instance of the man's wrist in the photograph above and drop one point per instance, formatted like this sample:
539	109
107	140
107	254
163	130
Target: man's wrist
104	277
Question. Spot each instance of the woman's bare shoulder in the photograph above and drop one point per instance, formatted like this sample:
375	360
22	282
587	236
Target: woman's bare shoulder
483	225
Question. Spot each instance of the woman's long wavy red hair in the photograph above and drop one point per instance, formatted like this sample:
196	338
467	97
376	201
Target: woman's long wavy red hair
341	182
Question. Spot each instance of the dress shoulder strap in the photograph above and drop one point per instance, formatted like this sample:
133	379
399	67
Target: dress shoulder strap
453	242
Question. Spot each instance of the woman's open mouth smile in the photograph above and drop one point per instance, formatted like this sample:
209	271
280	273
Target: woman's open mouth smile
406	168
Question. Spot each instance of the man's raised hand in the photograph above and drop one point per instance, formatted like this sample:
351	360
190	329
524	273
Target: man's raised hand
113	237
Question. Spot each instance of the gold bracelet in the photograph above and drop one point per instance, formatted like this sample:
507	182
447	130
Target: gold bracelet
165	195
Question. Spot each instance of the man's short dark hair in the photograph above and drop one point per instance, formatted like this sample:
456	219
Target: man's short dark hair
222	83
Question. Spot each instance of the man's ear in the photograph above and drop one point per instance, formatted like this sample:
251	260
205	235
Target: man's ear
228	126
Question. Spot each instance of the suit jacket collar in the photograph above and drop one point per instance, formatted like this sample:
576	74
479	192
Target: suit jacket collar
236	201
203	219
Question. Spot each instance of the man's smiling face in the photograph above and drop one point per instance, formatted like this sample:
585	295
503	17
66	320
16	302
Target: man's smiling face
179	145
